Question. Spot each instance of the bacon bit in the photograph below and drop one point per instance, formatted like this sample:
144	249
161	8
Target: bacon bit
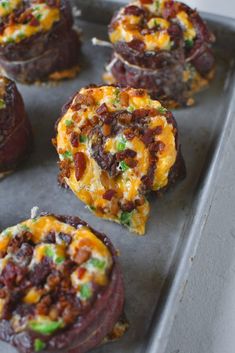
139	92
109	194
147	138
82	256
114	206
81	272
76	107
137	44
74	139
44	305
124	98
87	99
128	153
65	168
80	164
140	113
128	206
139	202
129	134
146	1
158	130
103	109
34	22
161	146
106	129
132	163
125	118
133	10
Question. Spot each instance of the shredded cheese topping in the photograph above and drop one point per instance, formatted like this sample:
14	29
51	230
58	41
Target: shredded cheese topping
95	181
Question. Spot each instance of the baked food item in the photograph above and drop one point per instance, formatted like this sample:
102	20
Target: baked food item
37	40
61	287
15	128
163	46
115	145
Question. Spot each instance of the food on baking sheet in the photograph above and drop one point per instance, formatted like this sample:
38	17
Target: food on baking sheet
15	129
61	288
115	145
163	46
37	40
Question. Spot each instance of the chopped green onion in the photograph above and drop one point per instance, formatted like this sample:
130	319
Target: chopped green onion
123	166
86	292
45	327
126	218
67	155
189	43
25	228
2	104
10	40
49	251
21	35
59	260
100	264
38	16
157	5
121	144
162	110
130	109
68	122
82	138
39	345
91	208
5	4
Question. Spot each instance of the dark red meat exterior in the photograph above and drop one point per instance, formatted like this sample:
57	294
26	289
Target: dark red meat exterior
92	326
15	129
161	71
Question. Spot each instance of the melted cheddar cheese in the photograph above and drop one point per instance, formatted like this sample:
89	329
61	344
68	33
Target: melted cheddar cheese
127	185
42	18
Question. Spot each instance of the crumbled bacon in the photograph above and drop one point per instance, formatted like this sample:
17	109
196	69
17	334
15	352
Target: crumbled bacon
133	10
82	255
79	164
86	99
74	139
108	195
102	109
128	153
124	99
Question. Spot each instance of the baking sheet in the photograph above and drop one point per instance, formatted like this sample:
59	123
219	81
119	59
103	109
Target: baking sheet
155	266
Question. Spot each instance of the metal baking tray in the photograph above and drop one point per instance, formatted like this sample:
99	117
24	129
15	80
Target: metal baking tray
156	266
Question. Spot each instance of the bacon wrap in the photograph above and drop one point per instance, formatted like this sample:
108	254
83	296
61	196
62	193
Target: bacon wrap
45	47
115	146
85	322
156	46
15	129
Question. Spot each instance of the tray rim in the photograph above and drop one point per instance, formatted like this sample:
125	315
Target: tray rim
162	322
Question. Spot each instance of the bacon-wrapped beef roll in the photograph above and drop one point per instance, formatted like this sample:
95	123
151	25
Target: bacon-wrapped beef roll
15	129
37	41
115	145
163	46
61	289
